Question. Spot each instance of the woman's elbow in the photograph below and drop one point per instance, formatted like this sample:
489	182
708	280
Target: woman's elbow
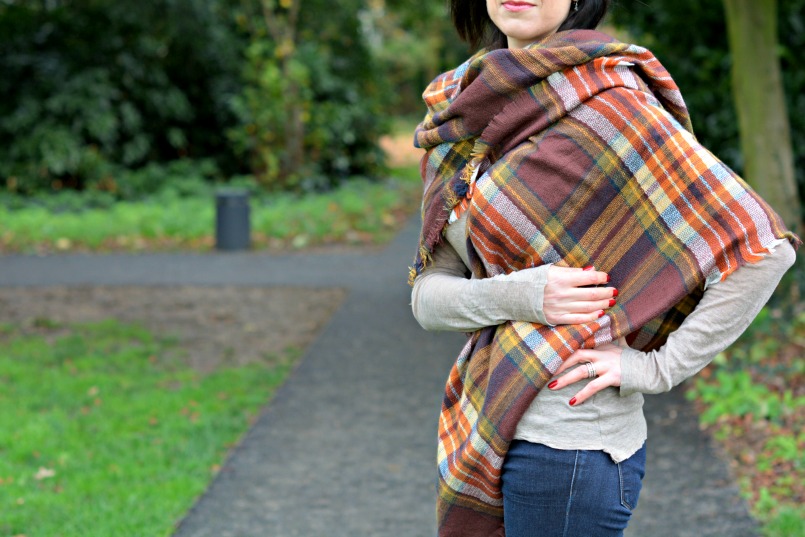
418	315
419	308
788	256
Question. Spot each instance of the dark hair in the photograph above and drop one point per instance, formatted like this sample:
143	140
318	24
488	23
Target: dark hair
476	28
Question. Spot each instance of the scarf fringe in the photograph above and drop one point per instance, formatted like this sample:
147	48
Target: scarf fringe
458	192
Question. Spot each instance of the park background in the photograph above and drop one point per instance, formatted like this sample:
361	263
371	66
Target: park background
119	121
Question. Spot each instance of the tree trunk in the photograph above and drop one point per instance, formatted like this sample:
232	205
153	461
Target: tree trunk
760	102
294	130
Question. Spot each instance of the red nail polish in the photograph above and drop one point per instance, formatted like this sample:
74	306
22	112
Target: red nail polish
553	384
609	278
588	267
614	292
572	401
600	314
611	302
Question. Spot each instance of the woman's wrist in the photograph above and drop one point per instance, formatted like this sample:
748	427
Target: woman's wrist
633	369
522	294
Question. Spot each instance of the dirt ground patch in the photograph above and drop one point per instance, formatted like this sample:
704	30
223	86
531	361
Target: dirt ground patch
400	149
212	325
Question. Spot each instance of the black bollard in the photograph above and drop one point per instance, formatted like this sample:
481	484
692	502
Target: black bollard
232	230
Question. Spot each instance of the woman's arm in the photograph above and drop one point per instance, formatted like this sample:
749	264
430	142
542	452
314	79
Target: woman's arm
443	298
724	312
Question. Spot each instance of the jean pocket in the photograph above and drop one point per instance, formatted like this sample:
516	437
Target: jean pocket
631	473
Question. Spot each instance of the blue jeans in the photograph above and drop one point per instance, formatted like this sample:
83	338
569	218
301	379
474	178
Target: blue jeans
560	493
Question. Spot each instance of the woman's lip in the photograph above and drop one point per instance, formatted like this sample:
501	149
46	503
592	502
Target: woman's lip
517	6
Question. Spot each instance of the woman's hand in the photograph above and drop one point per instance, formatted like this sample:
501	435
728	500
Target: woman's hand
567	301
606	360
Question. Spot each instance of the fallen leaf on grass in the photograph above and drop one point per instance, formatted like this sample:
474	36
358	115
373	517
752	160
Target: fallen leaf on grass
44	473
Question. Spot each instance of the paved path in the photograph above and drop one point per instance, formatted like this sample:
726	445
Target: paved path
347	446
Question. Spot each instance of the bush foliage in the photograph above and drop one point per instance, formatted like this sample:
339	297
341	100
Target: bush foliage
91	90
310	112
96	85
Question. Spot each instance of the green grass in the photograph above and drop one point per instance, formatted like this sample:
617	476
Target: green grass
103	433
183	219
786	521
359	212
356	212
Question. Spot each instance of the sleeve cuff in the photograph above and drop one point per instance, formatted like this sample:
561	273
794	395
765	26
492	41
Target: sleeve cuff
634	366
526	293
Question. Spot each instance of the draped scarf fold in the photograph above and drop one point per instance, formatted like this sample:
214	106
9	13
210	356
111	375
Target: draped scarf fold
584	155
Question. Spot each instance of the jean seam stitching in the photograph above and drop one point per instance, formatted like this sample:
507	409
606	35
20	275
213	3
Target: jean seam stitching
623	491
570	496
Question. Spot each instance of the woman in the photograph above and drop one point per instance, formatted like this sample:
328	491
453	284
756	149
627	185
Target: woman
608	254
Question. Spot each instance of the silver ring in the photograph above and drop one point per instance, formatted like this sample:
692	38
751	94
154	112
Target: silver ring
590	370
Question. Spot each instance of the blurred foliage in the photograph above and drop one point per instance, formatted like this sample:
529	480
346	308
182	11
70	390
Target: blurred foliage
311	110
91	86
100	95
752	398
690	38
413	42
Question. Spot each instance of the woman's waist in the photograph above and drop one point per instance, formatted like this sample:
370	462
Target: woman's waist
605	421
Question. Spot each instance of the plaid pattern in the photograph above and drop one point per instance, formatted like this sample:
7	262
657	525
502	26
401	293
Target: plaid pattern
584	155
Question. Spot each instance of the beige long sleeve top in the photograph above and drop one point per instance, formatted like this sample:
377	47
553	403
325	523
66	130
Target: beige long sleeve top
444	298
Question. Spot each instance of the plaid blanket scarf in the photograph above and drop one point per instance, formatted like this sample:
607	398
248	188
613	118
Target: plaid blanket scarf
583	152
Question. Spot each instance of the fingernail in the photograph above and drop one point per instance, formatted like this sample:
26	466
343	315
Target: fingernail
609	278
600	314
572	401
614	292
588	267
553	384
612	302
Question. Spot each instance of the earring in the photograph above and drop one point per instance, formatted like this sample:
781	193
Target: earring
575	5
